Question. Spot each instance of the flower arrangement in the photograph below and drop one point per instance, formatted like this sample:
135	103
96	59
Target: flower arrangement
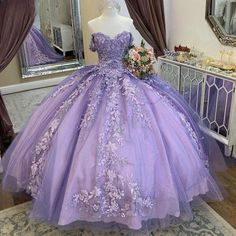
140	60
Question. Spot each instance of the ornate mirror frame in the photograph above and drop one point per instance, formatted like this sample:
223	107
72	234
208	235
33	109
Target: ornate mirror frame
32	71
224	38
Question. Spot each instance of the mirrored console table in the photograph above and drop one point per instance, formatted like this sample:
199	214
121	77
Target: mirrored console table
211	95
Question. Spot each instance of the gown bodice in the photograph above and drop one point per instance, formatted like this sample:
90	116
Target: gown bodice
110	48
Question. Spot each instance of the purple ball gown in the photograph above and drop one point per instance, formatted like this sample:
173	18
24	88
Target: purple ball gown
107	147
38	49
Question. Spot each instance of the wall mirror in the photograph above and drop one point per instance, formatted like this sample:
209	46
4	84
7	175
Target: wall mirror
54	43
221	15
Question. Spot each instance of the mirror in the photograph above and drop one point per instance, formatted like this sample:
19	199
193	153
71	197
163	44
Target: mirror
54	43
221	15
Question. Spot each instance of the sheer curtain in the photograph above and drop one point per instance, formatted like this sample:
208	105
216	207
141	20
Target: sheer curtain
16	19
149	20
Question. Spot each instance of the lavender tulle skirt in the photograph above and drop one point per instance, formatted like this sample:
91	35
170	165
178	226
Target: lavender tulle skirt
38	49
105	150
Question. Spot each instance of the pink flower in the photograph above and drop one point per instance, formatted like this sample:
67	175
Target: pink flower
136	56
139	61
150	51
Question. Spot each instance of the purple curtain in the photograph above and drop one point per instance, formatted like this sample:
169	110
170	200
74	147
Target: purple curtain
149	20
6	129
16	19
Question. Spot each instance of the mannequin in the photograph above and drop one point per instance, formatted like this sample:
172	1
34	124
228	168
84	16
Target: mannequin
110	22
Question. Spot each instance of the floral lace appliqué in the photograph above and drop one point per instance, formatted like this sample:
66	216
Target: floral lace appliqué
112	201
41	148
134	96
113	194
63	87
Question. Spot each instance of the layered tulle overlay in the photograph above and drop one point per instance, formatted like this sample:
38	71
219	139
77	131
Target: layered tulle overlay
105	147
38	49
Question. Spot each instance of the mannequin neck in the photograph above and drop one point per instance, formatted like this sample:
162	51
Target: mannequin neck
110	12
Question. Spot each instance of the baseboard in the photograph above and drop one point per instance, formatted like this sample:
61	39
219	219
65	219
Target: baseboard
16	88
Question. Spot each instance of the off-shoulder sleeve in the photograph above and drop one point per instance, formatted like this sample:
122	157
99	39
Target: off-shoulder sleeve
92	46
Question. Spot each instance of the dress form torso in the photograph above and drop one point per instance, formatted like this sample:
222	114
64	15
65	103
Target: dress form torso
110	22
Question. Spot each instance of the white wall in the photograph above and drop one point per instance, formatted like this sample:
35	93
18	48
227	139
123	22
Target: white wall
168	18
135	33
186	25
91	9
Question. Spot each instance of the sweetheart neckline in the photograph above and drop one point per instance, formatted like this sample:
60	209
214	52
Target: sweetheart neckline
110	37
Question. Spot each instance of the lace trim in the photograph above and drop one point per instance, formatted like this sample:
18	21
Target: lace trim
72	80
94	101
112	201
113	195
63	87
41	148
134	96
40	57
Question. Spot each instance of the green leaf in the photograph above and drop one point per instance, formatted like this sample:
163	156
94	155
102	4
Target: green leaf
142	43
